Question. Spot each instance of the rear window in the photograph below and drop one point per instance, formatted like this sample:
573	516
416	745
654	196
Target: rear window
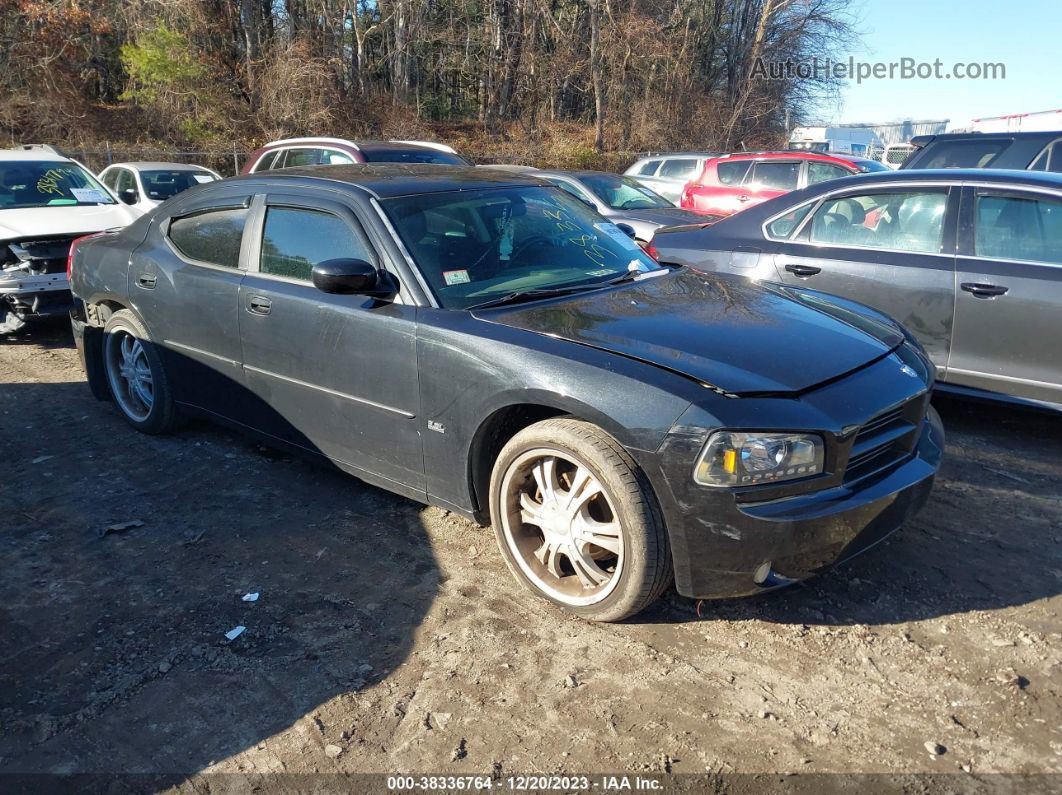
961	154
384	155
213	237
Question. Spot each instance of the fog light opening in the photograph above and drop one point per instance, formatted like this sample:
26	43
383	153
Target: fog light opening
762	573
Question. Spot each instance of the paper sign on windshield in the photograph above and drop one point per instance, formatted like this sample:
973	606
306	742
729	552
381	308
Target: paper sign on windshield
89	195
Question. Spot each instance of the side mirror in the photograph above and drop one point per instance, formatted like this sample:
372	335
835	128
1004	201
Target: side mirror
348	277
628	230
128	195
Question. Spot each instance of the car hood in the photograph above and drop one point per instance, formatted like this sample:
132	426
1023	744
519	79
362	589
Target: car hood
735	336
660	216
59	220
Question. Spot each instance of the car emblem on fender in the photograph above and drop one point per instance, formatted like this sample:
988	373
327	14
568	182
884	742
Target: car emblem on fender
908	370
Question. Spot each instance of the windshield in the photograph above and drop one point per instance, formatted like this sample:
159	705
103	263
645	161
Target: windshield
162	184
623	193
477	245
413	156
48	183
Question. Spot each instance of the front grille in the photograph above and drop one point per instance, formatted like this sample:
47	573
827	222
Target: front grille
886	439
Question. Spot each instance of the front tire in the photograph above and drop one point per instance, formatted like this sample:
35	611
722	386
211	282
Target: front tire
135	375
577	522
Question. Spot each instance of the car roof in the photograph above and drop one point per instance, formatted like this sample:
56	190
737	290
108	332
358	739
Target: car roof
387	180
982	136
158	165
657	155
33	155
791	154
577	173
365	146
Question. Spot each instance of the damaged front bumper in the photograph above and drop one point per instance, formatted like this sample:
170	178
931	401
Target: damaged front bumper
33	281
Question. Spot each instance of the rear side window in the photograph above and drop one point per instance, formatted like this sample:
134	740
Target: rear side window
268	160
679	168
302	157
213	237
732	172
961	154
1050	159
294	240
782	227
907	221
334	157
1020	228
648	168
774	175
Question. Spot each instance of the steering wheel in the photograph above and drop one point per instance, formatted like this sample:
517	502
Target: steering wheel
531	241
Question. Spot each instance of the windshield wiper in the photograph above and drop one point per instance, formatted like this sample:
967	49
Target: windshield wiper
530	295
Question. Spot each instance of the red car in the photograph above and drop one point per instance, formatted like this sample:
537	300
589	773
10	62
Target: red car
730	183
331	151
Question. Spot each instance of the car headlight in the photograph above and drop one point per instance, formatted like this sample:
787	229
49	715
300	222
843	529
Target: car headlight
733	458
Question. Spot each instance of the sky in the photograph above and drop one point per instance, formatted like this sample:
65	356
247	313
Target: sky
1024	35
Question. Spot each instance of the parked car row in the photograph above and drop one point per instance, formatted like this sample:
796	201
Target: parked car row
629	392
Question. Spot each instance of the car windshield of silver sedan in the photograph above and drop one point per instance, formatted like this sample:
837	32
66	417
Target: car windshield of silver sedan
624	193
48	183
163	184
478	246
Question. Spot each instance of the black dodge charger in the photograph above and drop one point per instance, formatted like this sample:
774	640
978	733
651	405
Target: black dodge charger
484	342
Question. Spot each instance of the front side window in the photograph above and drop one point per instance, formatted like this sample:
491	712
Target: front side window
907	221
127	182
1018	227
623	193
213	236
679	168
511	240
48	183
110	179
821	172
294	240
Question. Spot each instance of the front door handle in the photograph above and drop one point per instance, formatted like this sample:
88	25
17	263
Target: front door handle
984	290
743	198
259	305
147	281
803	271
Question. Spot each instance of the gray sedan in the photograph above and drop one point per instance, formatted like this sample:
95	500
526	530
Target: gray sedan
970	261
622	200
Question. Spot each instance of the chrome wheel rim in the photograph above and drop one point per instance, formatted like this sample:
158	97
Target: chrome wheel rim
129	373
561	527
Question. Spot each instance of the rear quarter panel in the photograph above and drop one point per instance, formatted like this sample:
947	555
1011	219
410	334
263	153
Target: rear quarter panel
101	265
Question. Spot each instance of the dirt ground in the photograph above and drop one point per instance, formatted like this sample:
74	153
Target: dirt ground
389	638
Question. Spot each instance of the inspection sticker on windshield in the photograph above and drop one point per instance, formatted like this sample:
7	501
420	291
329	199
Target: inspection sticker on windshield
89	195
618	235
456	277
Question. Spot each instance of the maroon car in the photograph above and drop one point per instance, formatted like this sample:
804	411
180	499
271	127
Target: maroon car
291	152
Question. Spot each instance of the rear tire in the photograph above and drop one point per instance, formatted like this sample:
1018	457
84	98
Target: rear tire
577	522
135	375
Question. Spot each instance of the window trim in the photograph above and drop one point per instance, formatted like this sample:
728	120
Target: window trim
245	204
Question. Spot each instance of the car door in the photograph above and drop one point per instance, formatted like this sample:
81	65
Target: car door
184	282
1008	306
890	248
333	374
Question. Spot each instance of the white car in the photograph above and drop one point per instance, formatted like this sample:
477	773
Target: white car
147	185
46	201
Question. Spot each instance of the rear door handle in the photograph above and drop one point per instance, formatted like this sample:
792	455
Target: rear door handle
803	270
259	305
984	290
147	281
743	198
